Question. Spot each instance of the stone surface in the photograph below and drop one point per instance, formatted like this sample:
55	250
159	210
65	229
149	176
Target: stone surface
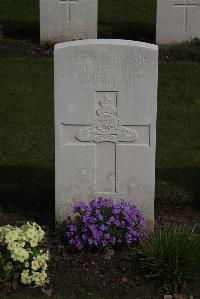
105	119
177	21
65	20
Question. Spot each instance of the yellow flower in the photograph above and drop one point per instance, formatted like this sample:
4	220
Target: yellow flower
30	233
10	237
20	254
25	277
35	265
33	243
26	264
19	243
39	278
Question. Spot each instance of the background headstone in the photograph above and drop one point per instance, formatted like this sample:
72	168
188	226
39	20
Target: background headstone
105	119
65	20
177	21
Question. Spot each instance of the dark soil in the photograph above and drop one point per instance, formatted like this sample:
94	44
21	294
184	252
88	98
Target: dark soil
100	274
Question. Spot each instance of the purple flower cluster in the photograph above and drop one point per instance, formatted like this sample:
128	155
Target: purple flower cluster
103	222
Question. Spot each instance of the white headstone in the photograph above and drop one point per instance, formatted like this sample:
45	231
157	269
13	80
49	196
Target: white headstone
65	20
105	119
177	21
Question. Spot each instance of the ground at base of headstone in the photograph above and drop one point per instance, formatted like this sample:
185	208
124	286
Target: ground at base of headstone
16	47
96	276
106	275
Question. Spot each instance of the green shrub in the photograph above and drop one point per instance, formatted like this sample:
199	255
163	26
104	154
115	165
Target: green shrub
172	256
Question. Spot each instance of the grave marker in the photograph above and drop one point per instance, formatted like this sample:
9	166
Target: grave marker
105	118
186	5
177	20
65	20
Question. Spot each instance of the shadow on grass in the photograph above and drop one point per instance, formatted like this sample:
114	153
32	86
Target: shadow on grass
21	30
28	192
185	183
133	31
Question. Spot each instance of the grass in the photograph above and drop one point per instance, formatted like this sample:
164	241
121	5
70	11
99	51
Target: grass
127	19
27	134
27	154
27	88
184	51
20	18
26	93
171	256
178	144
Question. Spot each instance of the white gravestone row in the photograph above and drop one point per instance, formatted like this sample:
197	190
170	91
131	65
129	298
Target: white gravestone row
105	123
177	20
66	20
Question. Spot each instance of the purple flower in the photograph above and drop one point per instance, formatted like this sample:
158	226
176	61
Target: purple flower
103	222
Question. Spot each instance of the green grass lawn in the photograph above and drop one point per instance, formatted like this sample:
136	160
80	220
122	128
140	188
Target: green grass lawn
178	142
20	18
128	19
117	18
27	134
26	94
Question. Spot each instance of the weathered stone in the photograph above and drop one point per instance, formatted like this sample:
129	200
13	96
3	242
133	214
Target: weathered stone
177	20
65	20
105	117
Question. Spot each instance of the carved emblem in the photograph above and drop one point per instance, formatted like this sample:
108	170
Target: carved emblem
107	127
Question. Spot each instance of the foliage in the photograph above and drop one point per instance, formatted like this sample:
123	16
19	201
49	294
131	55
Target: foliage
172	256
102	223
20	257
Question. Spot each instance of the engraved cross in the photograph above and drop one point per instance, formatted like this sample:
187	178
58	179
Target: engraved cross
67	4
187	4
107	134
